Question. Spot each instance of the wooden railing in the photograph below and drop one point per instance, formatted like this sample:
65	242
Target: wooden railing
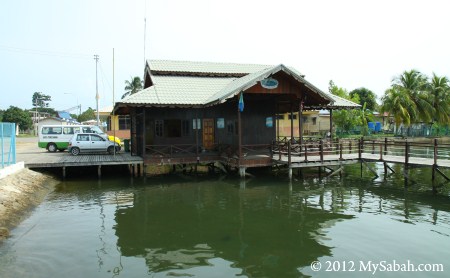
289	149
171	150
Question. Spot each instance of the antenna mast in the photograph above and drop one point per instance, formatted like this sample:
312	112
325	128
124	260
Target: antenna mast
96	57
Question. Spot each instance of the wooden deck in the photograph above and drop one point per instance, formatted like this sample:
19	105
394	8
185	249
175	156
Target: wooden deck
35	157
66	160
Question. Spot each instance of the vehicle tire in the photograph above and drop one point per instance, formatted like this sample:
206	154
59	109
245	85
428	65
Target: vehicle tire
75	151
51	147
110	150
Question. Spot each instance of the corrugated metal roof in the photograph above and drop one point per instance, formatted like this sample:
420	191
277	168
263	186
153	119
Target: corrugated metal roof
179	90
343	103
200	90
204	67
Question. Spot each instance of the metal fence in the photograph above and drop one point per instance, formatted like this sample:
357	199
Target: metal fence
8	143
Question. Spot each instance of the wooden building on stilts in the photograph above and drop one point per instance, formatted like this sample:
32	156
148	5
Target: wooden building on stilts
201	112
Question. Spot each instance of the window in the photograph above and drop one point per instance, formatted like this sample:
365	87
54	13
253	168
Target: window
96	138
196	124
230	128
71	130
52	130
305	119
124	122
280	117
269	122
172	128
159	125
185	127
220	123
82	137
314	121
294	116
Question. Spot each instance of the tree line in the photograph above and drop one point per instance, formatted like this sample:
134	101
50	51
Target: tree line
412	98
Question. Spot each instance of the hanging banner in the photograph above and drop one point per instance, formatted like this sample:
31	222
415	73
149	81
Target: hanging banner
241	103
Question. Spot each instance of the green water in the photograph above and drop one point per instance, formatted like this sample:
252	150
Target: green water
223	227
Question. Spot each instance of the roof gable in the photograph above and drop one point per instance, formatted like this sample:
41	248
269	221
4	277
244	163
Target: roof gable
182	83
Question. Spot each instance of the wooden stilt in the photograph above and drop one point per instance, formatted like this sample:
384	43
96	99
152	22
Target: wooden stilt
338	171
442	174
99	171
64	172
242	172
370	168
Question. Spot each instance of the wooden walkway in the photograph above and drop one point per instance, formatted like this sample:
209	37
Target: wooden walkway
323	154
35	157
84	160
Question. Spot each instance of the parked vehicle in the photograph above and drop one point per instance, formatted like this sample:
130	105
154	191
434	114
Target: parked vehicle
89	143
57	137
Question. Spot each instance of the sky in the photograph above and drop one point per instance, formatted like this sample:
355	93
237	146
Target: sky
48	46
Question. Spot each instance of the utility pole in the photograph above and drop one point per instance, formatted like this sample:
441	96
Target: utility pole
96	57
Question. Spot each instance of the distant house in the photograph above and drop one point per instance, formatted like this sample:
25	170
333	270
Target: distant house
117	125
205	112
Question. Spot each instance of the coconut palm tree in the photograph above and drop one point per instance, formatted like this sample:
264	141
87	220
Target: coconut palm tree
398	104
414	86
439	90
132	86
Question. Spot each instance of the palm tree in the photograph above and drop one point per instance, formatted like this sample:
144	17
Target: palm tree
398	104
414	86
132	86
439	90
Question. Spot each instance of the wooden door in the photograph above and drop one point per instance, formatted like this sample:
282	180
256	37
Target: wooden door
208	133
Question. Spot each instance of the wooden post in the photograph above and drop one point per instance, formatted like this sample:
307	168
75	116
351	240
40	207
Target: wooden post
242	172
196	135
435	152
405	171
373	146
64	172
143	134
306	153
292	123
289	154
435	155
239	134
406	152
340	151
331	124
272	146
277	121
360	146
279	151
350	146
385	169
385	144
300	115
381	151
99	171
321	150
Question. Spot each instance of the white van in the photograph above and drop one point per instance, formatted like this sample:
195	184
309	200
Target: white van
57	137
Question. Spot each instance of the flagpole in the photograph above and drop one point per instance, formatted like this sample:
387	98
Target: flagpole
113	119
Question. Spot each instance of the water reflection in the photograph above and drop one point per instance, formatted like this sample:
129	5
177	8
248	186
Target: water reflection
221	228
262	230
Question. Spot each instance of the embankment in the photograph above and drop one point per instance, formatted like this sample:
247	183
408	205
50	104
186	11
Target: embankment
19	194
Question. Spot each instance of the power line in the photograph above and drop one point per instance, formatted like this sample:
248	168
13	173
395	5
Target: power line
44	52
